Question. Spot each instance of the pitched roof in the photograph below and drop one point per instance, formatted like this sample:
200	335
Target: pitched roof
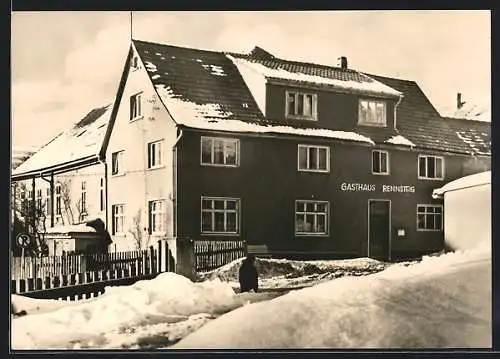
419	122
83	140
476	134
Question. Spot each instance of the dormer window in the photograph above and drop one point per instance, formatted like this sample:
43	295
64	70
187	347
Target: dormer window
372	113
301	105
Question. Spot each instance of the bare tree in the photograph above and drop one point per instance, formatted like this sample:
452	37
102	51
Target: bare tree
67	201
141	241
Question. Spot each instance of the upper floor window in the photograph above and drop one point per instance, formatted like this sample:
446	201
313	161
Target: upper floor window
220	151
429	217
38	200
372	113
155	151
220	215
118	224
58	199
117	163
430	167
157	217
380	162
311	217
135	106
48	203
313	158
301	105
101	195
83	200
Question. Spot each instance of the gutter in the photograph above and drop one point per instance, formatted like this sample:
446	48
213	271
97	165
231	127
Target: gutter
395	110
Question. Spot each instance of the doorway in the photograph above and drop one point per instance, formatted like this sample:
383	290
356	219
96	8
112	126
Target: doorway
379	229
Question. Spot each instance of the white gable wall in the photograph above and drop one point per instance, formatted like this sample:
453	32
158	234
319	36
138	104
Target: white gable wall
139	185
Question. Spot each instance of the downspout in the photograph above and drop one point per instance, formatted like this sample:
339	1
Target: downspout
33	206
176	162
101	160
395	111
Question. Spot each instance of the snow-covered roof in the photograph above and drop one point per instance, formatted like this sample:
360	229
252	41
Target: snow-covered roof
280	69
83	140
472	111
400	140
82	228
474	180
19	155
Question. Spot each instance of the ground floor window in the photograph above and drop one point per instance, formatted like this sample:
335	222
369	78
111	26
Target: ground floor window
157	217
311	217
118	211
220	215
429	217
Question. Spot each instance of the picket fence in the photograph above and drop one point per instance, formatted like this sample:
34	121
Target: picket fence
214	254
82	276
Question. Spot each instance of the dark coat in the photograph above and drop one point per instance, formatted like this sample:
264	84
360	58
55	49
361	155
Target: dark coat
248	276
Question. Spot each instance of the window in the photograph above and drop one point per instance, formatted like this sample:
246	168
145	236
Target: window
311	217
117	163
219	151
135	63
220	215
429	217
372	113
301	105
118	224
58	200
38	200
380	162
48	203
157	217
430	167
135	107
313	158
101	195
83	199
155	154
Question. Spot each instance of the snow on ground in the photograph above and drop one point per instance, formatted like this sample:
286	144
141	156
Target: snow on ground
148	313
31	306
441	302
282	273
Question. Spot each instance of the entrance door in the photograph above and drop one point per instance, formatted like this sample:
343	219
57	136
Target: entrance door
379	231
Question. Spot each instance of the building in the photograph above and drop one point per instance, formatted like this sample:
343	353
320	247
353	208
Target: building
304	160
471	228
64	182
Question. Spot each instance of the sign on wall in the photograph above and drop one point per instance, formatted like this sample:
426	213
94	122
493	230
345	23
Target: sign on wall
365	187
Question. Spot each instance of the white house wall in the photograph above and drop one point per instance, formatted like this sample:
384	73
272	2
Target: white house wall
467	221
138	185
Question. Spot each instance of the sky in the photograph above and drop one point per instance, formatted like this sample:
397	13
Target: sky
63	64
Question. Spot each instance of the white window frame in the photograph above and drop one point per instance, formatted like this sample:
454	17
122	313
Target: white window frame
308	147
116	216
58	200
427	170
225	211
102	200
161	212
388	169
314	105
83	199
48	203
425	214
135	106
305	212
119	155
364	121
157	148
212	151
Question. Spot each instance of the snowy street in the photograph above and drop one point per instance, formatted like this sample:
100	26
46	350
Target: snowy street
442	301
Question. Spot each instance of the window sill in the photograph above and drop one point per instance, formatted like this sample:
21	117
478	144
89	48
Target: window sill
430	179
118	175
313	171
303	234
220	234
380	174
297	117
136	118
155	168
382	125
218	165
429	230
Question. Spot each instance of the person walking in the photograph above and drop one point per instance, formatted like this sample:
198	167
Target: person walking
248	276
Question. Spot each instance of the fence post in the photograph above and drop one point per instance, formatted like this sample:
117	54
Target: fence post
152	260
159	257
185	258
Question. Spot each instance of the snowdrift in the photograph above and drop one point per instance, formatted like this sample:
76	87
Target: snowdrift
442	302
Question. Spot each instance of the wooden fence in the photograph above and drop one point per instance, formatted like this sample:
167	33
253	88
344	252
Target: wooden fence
73	277
213	254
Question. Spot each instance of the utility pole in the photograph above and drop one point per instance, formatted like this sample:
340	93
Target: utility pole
131	19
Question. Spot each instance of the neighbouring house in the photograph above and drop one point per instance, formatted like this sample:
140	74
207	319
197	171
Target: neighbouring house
301	159
64	182
470	228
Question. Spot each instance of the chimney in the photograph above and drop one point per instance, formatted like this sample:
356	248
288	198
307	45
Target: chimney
460	103
343	62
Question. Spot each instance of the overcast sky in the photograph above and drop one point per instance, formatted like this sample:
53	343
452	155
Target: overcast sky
66	63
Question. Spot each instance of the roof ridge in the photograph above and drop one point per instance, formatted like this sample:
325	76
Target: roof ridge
179	47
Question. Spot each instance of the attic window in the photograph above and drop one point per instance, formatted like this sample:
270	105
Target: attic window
135	107
372	113
302	106
135	63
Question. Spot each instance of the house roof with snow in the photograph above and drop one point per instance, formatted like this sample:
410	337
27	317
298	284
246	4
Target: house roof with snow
78	145
476	134
478	179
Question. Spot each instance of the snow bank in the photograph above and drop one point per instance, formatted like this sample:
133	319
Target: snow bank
33	306
370	85
442	302
99	323
464	182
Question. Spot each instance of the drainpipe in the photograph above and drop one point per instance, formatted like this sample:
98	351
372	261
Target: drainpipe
51	182
33	206
176	165
102	161
395	111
